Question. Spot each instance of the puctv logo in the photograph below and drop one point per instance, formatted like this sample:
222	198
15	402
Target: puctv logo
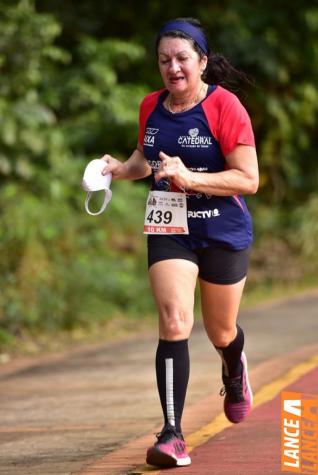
149	139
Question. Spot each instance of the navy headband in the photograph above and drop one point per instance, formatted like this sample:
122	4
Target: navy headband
195	33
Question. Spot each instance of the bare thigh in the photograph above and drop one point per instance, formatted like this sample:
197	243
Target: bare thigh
173	284
220	305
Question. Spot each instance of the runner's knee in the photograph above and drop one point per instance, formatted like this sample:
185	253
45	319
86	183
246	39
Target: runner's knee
175	323
222	337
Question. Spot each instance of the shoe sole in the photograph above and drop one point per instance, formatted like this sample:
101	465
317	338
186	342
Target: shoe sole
161	459
247	379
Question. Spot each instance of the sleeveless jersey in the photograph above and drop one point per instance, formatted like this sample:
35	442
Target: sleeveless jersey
201	137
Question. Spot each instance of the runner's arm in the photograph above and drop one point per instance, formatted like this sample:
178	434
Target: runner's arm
134	168
240	177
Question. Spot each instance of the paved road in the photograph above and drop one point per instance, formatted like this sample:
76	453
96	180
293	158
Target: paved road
59	413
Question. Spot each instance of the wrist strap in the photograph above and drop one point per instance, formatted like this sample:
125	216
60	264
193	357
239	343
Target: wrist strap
108	196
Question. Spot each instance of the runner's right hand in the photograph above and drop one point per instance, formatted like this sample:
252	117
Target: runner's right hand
113	166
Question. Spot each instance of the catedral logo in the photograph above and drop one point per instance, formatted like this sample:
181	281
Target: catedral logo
193	139
299	433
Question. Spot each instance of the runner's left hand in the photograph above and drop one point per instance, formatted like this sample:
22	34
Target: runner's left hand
174	169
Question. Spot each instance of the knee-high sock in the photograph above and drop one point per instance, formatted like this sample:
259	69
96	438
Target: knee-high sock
172	369
231	355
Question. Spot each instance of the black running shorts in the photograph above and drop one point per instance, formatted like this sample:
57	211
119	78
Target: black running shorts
216	264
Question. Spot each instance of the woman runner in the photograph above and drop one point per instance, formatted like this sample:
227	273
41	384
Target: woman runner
196	140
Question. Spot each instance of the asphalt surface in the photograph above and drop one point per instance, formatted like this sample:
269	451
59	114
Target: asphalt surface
60	413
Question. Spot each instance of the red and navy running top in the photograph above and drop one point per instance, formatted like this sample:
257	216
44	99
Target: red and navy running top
202	137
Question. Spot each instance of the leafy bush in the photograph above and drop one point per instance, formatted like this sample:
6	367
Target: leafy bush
59	267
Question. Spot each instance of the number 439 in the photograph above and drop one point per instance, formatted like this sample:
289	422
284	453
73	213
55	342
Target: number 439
158	217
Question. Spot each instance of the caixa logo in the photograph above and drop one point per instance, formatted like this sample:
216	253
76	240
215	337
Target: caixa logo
149	139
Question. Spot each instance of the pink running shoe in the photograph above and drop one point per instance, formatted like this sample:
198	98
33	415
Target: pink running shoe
169	451
238	395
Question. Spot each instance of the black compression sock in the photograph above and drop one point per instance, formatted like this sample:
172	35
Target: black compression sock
231	355
172	369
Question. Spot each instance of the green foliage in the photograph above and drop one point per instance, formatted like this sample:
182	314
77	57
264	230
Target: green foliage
72	76
306	232
59	267
99	110
276	44
28	125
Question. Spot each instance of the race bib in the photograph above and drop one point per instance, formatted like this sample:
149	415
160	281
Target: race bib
166	213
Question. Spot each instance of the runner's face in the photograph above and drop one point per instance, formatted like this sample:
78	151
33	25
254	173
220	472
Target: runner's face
180	66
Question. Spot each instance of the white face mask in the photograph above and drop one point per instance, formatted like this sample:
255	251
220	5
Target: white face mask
93	180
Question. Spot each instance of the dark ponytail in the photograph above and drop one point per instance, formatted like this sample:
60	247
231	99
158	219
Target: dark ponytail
219	70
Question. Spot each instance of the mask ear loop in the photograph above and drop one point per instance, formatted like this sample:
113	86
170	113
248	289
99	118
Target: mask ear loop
108	196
